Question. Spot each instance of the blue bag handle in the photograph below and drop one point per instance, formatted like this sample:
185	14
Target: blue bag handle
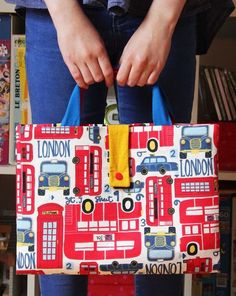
160	113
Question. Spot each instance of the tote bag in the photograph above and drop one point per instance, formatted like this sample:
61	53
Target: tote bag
138	198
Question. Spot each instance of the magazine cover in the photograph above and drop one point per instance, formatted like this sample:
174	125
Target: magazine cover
5	45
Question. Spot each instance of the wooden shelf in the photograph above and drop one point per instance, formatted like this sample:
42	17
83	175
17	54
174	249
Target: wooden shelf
7	169
6	8
227	175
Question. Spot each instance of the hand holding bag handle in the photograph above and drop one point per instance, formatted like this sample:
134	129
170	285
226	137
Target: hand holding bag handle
119	152
160	113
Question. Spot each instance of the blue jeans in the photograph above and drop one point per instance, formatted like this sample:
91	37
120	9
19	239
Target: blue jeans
50	85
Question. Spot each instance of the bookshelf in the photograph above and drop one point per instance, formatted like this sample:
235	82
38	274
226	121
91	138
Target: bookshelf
221	54
17	285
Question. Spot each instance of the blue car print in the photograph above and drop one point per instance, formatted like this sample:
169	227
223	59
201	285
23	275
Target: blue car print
155	164
53	176
94	134
160	245
122	268
25	235
195	139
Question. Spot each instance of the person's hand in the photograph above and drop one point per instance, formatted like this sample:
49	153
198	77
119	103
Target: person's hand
80	44
146	53
144	56
85	55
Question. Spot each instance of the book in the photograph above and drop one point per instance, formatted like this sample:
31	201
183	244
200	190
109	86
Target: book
229	99
233	249
5	53
19	106
231	87
208	285
222	95
214	77
206	110
111	112
223	278
217	95
213	94
233	79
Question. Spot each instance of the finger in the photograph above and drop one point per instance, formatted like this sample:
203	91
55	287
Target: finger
87	76
76	74
134	76
144	78
95	71
106	69
153	77
123	73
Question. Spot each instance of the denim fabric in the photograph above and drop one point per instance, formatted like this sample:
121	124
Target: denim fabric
50	85
116	6
63	285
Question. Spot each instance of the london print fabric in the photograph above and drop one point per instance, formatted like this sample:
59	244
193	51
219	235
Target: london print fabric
69	220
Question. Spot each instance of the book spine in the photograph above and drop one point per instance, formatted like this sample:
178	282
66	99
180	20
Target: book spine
233	81
212	91
233	249
204	110
230	86
25	112
228	96
214	73
223	278
223	95
18	41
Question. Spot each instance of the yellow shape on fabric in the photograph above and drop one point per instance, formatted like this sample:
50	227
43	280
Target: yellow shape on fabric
119	155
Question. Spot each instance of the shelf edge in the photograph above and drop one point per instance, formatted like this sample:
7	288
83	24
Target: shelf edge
7	170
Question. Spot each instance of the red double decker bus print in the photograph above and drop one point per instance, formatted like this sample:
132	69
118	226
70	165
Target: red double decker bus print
51	131
87	268
200	225
98	231
25	189
199	216
24	132
88	170
151	137
24	152
148	137
198	265
159	210
196	187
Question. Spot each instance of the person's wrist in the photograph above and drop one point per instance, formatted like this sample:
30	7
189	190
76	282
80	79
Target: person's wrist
66	15
165	13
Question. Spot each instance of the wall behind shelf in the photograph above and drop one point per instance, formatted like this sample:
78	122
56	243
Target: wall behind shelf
8	192
223	48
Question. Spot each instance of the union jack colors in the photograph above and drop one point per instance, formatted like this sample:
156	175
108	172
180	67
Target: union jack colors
69	220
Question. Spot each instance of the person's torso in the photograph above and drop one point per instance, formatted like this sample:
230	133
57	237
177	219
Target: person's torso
211	14
135	7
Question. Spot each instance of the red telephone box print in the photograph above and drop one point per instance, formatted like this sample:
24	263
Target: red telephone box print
49	236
